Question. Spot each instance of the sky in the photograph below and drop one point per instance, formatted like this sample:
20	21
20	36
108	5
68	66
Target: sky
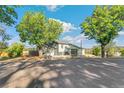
70	16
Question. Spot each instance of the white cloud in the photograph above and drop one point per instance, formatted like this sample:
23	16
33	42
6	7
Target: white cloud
67	27
121	33
115	40
75	39
53	8
118	42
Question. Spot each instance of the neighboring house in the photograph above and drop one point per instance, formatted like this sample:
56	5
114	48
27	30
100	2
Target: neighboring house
63	49
117	52
88	50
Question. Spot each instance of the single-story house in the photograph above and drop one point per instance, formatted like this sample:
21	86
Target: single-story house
62	49
117	52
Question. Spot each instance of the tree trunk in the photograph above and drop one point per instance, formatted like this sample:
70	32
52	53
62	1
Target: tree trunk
103	51
107	54
40	51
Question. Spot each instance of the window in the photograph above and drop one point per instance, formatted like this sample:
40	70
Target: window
66	53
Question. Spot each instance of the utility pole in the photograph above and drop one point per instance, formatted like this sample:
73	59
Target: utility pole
81	44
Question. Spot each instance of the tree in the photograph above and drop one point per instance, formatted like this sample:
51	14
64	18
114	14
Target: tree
3	45
4	37
122	52
38	30
110	49
8	15
96	50
104	25
15	49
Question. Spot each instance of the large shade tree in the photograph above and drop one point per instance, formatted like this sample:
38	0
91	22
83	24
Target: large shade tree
8	15
104	24
36	29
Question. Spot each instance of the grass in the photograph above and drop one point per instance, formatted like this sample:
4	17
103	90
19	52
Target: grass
6	58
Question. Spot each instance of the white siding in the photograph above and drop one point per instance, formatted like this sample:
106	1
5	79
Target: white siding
81	52
61	48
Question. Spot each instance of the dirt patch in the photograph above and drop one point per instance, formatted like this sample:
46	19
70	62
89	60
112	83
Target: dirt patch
23	59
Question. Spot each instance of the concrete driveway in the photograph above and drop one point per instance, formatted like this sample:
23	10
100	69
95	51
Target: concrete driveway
72	73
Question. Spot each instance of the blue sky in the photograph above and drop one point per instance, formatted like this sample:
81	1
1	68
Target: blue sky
70	16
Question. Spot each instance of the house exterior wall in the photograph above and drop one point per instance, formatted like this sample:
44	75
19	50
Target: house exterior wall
117	54
65	50
62	48
81	52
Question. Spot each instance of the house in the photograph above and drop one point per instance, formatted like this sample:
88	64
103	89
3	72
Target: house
117	52
59	50
30	52
65	50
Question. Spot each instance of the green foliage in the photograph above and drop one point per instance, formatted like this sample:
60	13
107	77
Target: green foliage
110	52
96	51
38	30
104	24
122	52
8	15
3	45
110	49
15	49
4	37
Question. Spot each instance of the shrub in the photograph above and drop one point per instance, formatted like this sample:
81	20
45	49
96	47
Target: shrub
122	52
110	51
15	49
96	51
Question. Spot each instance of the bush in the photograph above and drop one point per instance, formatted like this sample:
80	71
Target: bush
110	52
122	52
15	49
96	51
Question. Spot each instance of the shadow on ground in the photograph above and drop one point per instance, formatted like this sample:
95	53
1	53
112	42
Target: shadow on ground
73	73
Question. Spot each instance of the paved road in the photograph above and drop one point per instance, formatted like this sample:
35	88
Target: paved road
72	73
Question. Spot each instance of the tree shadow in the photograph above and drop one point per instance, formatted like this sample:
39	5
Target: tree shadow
35	84
79	73
7	67
82	74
